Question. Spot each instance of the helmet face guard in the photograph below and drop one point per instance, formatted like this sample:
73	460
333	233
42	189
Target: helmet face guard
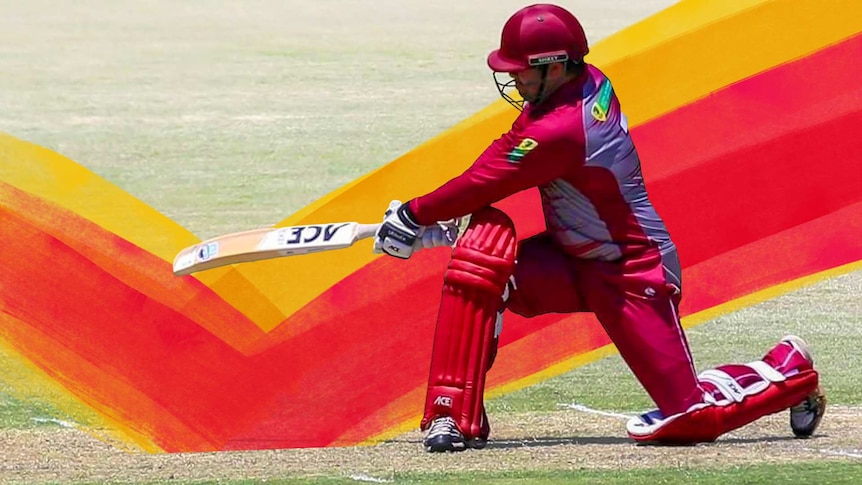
505	88
541	61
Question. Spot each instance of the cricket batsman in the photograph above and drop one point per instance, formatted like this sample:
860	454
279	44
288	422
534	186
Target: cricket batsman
605	250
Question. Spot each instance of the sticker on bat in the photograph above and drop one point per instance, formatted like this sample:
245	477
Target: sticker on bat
207	251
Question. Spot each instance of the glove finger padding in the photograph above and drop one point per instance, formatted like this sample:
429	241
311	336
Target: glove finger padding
441	234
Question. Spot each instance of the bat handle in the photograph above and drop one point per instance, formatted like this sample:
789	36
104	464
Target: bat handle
364	231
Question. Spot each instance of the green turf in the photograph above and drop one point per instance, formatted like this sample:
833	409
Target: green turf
16	414
26	414
833	473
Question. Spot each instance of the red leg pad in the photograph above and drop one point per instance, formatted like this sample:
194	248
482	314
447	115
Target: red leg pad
482	262
736	395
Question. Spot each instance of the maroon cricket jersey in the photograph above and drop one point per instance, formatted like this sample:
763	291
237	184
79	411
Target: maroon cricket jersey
576	148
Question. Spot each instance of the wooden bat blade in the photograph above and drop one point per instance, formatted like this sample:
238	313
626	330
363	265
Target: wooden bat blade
267	243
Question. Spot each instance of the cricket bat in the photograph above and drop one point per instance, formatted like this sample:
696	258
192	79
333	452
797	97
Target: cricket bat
267	243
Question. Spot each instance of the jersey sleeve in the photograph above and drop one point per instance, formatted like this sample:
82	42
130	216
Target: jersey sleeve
520	159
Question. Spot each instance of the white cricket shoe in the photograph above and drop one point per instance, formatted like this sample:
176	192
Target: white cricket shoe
443	435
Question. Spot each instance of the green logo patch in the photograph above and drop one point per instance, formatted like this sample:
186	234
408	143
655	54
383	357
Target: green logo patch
603	101
522	149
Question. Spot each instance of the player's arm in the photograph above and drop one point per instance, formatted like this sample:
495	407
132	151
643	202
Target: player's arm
509	165
541	153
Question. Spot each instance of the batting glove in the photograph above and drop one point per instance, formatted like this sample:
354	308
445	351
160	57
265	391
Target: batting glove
399	233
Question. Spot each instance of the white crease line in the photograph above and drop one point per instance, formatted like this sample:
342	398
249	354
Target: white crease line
581	407
65	424
847	453
366	478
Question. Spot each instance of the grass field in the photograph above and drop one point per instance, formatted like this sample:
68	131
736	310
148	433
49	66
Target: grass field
230	116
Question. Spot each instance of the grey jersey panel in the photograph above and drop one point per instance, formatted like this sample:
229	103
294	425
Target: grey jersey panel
572	217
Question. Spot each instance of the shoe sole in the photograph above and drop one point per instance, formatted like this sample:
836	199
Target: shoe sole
443	445
815	402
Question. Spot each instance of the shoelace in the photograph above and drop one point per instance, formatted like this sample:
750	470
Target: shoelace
442	426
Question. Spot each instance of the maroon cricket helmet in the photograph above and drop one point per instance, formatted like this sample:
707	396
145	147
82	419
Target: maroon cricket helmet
538	35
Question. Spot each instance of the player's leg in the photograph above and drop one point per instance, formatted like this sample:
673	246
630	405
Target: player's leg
637	304
738	394
483	260
544	281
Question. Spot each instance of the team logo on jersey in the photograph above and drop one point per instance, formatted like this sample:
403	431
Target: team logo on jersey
603	101
523	148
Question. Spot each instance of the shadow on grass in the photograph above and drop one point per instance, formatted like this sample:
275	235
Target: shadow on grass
539	442
724	441
763	439
547	441
620	440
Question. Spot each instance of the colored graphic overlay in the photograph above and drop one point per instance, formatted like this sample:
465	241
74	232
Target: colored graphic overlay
753	163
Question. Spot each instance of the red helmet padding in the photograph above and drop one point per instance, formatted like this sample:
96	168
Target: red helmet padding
539	34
